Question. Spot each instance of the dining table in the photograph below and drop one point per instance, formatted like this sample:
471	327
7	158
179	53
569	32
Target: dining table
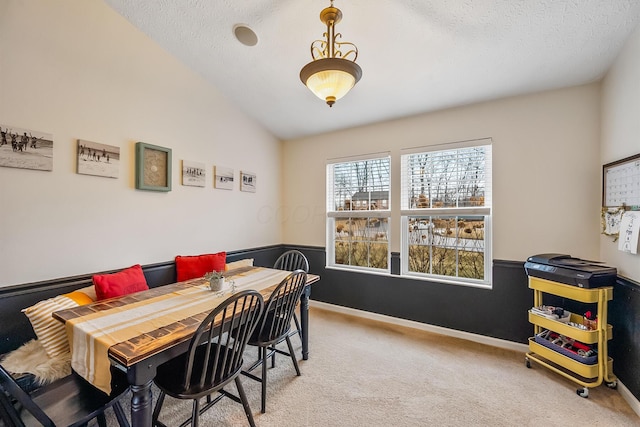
136	333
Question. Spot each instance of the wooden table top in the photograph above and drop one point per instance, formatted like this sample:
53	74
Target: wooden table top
143	346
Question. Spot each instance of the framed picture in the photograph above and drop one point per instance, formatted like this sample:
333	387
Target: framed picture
153	167
193	173
223	178
25	149
247	181
621	183
98	159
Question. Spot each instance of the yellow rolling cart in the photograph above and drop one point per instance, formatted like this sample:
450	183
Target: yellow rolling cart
586	375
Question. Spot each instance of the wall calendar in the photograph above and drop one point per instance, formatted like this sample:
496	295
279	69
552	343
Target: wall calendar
621	183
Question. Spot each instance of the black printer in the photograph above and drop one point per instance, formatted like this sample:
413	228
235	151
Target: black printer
571	271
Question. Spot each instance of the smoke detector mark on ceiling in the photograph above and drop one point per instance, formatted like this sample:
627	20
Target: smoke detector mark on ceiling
245	35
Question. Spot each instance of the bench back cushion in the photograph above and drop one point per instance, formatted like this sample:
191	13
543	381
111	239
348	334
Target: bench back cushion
50	332
124	282
194	266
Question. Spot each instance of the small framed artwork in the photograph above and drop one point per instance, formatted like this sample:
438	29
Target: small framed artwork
223	178
153	167
193	173
25	149
247	181
98	159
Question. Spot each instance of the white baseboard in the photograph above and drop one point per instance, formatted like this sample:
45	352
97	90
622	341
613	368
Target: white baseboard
629	398
495	342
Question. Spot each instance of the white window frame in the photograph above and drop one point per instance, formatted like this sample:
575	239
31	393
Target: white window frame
407	211
332	213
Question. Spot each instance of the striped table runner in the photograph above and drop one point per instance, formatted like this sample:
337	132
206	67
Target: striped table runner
91	335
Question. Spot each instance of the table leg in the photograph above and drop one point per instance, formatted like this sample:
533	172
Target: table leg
304	321
141	405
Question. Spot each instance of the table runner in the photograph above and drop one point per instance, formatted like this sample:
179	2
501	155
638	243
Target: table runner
90	336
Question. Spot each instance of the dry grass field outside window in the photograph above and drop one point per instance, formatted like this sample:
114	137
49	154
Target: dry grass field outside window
447	246
362	242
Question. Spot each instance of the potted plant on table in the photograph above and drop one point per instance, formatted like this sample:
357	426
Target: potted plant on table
216	280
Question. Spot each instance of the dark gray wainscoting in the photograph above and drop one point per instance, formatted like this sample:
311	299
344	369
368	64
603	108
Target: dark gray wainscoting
500	312
624	348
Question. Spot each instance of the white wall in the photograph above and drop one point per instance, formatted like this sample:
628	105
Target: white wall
77	70
621	134
545	169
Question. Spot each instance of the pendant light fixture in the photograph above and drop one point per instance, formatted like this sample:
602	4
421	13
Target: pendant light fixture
332	73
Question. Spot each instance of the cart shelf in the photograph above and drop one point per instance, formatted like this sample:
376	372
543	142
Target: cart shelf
585	375
584	336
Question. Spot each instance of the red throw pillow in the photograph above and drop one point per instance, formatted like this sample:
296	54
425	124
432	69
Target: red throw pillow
124	282
191	267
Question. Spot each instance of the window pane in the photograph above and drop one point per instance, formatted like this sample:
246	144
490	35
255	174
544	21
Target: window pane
378	255
361	242
420	258
447	245
444	261
446	179
360	185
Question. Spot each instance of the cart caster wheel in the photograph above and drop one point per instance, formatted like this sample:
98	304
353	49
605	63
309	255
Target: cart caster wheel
613	384
583	392
527	363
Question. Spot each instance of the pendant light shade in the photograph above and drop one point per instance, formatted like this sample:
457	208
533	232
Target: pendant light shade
330	78
332	73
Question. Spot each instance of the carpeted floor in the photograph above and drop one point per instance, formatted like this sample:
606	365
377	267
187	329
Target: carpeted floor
366	373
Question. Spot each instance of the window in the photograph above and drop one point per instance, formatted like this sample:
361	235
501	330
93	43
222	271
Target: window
358	213
446	212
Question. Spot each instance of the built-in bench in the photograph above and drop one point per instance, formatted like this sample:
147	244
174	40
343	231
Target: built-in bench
15	328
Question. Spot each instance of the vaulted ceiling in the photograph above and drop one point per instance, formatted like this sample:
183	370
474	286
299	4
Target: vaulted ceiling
416	55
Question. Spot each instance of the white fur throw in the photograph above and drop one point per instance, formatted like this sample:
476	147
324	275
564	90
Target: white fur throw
32	358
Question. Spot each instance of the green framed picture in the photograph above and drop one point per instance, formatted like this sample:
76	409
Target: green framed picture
153	167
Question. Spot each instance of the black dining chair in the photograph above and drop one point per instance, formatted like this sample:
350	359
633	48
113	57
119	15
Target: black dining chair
274	327
214	358
293	260
68	402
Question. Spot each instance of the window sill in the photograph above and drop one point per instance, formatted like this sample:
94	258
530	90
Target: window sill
435	280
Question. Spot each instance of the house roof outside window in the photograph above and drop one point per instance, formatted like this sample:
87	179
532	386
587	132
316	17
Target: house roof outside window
370	195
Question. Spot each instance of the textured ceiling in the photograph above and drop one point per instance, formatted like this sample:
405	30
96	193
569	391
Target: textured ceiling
416	55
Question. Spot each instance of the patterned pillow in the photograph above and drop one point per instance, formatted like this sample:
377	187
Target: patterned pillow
50	332
248	262
83	296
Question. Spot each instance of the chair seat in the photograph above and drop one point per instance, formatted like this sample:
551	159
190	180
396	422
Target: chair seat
172	384
26	381
72	401
262	337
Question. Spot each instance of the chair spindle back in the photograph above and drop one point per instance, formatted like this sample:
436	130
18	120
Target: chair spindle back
281	305
292	260
221	339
